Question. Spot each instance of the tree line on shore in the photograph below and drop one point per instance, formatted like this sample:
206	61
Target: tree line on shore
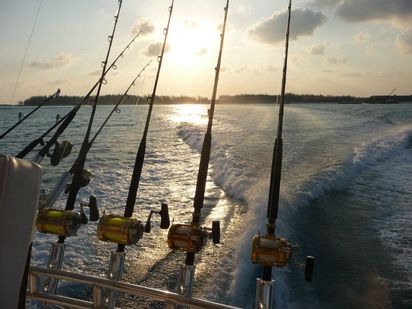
223	99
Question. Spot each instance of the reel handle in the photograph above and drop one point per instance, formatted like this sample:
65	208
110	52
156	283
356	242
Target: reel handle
164	216
94	210
216	232
309	266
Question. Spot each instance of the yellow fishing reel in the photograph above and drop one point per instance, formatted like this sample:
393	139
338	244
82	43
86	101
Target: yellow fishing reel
272	251
65	222
120	230
128	231
58	222
192	238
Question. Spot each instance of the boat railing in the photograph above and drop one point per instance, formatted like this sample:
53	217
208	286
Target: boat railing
99	285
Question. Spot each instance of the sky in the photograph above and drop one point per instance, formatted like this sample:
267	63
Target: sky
337	47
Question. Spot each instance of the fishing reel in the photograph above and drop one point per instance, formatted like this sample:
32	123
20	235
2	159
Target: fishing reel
84	180
192	238
59	222
61	151
128	231
273	251
65	222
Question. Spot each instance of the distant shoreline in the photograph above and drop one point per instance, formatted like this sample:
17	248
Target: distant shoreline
290	98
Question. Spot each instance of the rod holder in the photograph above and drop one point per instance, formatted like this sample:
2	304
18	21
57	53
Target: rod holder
185	282
264	294
107	298
55	261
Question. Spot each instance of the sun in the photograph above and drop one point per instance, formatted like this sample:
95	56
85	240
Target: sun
191	43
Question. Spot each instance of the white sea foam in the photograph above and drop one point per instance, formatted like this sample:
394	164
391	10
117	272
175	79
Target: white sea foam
238	185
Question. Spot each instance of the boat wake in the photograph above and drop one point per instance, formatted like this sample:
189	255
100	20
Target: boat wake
241	184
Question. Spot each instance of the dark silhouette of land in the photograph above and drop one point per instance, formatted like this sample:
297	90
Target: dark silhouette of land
224	99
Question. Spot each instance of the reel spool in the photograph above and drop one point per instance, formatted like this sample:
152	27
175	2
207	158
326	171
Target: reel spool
128	231
273	251
58	222
120	230
192	238
61	151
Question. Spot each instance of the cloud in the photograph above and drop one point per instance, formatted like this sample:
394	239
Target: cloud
244	9
191	24
241	69
371	10
201	51
143	25
155	49
271	68
95	73
352	74
336	60
404	41
362	37
57	81
59	61
318	49
271	29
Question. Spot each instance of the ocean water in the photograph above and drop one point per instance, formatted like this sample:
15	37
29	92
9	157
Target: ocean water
346	198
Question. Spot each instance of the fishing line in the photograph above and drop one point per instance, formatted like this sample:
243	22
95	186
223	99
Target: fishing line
66	119
270	250
25	52
81	159
54	95
137	169
191	238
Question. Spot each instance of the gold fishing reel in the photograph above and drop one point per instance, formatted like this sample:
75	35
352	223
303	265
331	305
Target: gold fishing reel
128	231
273	251
192	238
270	250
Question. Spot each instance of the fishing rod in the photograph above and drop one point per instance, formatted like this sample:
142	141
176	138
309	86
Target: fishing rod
60	151
48	199
54	95
191	238
65	223
125	230
269	250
